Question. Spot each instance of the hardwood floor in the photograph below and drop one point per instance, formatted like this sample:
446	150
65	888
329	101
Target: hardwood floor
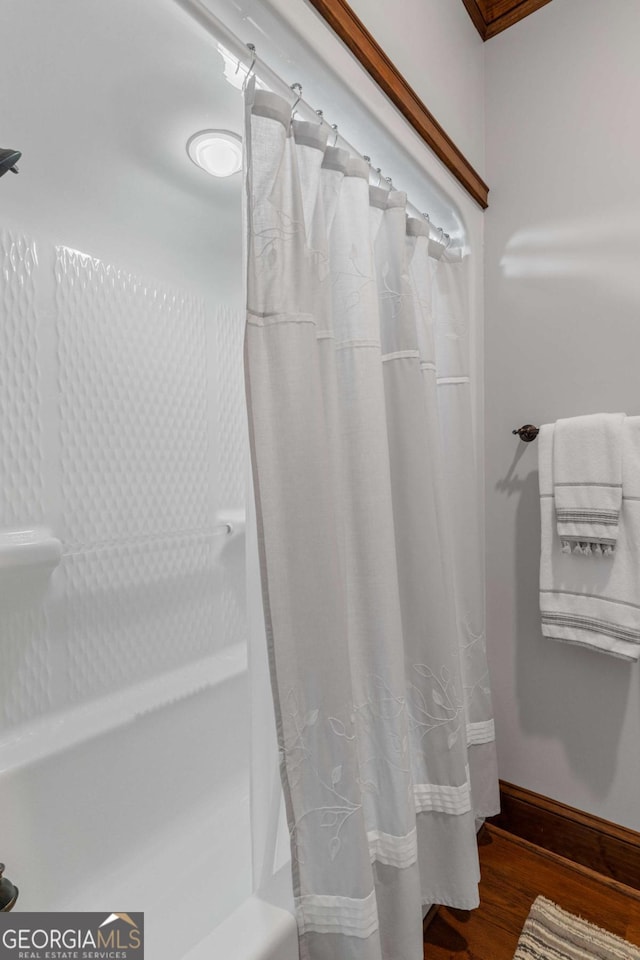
514	872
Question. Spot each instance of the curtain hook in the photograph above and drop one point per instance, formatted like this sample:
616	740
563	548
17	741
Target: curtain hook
334	127
379	172
426	217
297	89
390	182
252	66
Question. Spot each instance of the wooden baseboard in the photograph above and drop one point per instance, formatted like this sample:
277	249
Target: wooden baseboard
430	915
610	850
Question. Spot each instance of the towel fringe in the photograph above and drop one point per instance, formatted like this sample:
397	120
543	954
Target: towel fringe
588	547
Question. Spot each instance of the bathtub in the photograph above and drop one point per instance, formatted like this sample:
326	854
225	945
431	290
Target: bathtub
140	801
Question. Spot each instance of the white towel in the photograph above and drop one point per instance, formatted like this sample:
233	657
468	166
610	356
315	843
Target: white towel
587	482
594	604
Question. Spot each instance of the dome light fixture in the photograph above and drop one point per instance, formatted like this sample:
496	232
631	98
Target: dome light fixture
218	152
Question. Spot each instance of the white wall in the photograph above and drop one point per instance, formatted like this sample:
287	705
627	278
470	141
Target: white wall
562	339
440	52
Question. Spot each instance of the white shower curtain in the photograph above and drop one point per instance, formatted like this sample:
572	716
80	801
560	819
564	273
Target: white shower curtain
358	392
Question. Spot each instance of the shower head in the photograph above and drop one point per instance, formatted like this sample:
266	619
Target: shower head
8	160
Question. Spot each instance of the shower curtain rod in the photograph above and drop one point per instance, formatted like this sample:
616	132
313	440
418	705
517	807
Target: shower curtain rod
246	54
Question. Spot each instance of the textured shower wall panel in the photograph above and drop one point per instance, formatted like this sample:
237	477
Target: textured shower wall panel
20	388
142	454
26	682
27	686
132	371
133	610
232	422
232	458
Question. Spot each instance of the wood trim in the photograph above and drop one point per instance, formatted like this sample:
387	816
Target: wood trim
342	19
597	844
477	12
512	14
540	853
430	915
493	16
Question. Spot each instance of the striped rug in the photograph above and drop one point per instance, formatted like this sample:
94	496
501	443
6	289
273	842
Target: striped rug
550	933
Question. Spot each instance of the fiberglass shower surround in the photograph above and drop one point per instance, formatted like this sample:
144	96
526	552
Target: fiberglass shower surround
123	681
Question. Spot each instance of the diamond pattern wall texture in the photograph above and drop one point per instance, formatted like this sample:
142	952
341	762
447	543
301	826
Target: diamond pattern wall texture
133	405
232	420
149	452
20	422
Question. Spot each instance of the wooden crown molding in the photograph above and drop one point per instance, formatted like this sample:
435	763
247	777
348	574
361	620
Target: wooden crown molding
493	16
357	38
605	847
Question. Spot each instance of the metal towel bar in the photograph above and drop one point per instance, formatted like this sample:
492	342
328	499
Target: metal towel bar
527	433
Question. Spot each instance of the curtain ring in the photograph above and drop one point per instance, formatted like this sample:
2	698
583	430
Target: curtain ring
252	65
334	127
297	88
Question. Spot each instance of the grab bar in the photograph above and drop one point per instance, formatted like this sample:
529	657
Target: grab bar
35	547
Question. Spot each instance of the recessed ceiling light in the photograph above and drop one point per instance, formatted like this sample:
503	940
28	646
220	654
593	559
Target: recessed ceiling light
219	152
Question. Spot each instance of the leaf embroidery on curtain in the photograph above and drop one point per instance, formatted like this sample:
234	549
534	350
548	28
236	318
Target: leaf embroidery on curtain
448	704
380	725
282	229
351	297
395	297
338	808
